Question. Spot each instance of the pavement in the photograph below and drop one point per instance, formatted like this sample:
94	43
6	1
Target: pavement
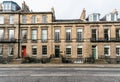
60	65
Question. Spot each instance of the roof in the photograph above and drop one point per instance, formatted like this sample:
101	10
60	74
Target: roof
68	20
12	2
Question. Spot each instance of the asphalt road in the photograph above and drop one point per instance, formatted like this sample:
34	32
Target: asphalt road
59	74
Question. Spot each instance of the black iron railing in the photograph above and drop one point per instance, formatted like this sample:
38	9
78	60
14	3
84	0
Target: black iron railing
104	40
13	40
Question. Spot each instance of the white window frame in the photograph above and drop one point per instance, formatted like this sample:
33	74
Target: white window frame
90	17
96	33
1	34
44	19
24	19
68	30
34	35
1	19
80	46
79	30
44	36
11	19
23	33
9	50
11	34
32	50
119	50
68	46
108	33
46	49
108	51
34	19
1	50
57	37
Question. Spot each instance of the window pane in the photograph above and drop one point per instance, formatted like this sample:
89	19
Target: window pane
106	34
106	50
11	34
44	50
44	19
117	33
118	50
1	19
24	19
94	34
34	34
1	50
57	35
94	17
79	50
1	33
79	34
24	34
34	50
68	50
34	19
112	17
68	34
10	51
11	19
44	34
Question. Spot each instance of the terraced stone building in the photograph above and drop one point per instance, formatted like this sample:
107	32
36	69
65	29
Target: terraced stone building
24	33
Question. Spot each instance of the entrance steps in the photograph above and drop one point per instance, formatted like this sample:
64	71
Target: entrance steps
100	61
16	61
56	60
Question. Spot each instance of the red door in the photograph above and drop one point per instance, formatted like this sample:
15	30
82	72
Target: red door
23	51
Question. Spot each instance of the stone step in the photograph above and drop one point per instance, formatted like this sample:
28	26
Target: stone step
16	61
100	61
56	60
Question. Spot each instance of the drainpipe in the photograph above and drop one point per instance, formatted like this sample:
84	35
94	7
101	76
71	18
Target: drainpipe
18	34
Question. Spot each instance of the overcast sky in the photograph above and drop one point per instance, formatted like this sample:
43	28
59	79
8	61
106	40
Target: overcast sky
71	9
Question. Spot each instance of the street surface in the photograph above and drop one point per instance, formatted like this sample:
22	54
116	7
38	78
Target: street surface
59	74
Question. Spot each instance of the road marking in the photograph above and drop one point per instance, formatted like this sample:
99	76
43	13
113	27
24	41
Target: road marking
12	75
115	75
60	75
55	75
17	69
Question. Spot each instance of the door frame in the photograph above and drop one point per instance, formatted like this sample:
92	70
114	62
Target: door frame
22	50
96	49
57	47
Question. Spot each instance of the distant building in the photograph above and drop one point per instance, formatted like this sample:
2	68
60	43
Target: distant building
26	33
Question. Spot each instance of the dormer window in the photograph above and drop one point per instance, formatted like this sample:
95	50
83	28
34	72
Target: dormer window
9	6
94	17
112	16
